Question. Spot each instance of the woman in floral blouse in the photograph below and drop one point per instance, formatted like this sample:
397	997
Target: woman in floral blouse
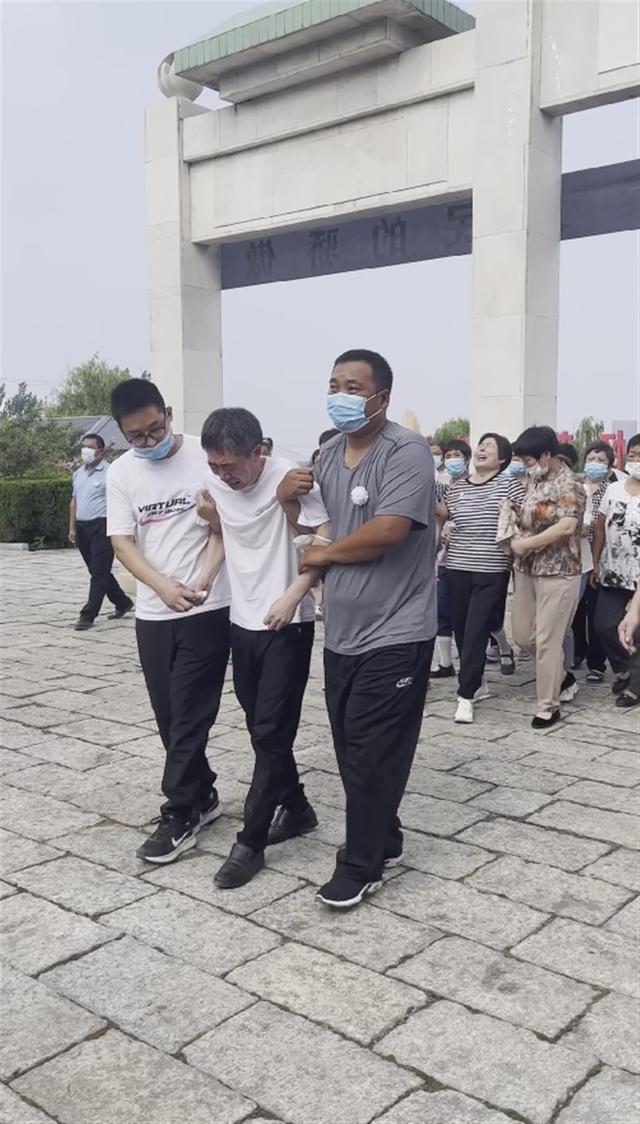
547	564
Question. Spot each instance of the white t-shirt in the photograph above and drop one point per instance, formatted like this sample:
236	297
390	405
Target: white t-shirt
258	540
620	559
155	501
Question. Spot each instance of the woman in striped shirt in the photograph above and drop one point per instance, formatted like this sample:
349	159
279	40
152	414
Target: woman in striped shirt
477	566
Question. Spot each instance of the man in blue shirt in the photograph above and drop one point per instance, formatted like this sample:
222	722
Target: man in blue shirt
88	531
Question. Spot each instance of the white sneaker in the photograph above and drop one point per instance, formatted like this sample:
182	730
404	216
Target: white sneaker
569	694
464	713
482	692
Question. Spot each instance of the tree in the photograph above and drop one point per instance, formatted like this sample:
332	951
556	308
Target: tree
87	389
454	427
589	430
30	444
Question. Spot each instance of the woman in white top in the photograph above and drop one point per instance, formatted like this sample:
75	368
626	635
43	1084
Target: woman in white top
616	568
599	472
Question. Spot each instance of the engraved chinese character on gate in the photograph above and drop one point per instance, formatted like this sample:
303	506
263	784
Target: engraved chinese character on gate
323	249
390	239
260	259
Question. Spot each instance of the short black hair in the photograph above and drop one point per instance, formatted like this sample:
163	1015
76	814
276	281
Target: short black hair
633	441
326	435
601	447
457	445
95	437
234	429
568	452
380	369
504	447
535	441
132	395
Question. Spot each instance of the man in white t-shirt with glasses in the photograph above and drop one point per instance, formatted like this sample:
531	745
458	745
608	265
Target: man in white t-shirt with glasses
182	607
272	615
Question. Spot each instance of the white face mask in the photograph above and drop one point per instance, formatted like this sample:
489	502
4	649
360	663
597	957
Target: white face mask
537	471
633	468
88	455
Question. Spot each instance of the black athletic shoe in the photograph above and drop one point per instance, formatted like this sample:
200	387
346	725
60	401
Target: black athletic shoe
208	812
241	866
120	613
443	672
539	723
393	855
171	837
620	683
286	825
343	893
82	624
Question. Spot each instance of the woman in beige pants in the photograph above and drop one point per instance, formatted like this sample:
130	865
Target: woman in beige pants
547	564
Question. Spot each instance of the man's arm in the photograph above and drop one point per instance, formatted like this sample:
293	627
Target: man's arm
176	596
563	529
629	626
211	564
72	521
369	542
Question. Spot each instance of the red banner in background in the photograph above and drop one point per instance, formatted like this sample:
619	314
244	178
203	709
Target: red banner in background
616	440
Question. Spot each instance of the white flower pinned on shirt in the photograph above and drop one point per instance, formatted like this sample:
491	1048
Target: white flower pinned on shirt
359	496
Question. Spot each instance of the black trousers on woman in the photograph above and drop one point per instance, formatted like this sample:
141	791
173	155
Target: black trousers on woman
612	606
586	639
476	602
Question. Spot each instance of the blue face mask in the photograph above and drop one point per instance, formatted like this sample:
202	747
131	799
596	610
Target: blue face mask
596	471
516	468
348	411
157	452
455	466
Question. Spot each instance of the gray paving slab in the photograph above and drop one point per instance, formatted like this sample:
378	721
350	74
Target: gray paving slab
608	796
72	753
35	934
516	802
596	956
14	1110
444	857
114	1080
37	1023
438	817
458	909
40	817
442	1107
611	1095
81	886
499	985
625	758
505	1065
614	827
621	866
528	841
513	775
147	994
272	1056
551	890
108	844
610	1029
194	876
627	921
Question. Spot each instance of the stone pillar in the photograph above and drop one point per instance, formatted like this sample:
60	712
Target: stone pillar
516	225
184	279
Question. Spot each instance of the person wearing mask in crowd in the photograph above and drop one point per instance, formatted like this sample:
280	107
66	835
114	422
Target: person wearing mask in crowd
598	474
267	446
457	455
182	614
377	483
616	570
568	454
478	567
271	627
435	448
88	531
547	564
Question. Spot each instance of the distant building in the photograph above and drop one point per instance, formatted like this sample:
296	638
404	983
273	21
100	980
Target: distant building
103	425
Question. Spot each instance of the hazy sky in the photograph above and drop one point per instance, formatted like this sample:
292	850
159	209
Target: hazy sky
76	78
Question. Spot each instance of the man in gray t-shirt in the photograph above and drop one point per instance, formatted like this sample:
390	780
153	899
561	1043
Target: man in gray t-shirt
377	483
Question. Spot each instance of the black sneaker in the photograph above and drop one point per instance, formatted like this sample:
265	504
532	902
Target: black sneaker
209	811
447	672
286	824
120	613
620	683
82	624
393	854
241	866
171	837
343	893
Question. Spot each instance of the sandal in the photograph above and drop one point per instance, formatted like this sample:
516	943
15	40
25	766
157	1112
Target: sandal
627	699
507	663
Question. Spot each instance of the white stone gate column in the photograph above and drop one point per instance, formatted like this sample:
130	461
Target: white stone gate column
184	279
516	225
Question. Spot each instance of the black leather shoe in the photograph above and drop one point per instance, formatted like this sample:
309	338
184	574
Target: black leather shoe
120	613
286	825
441	672
540	723
241	866
82	624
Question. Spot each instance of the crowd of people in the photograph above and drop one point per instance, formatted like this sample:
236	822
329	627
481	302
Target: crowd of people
228	541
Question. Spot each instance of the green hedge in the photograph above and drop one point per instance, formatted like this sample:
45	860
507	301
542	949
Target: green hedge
35	511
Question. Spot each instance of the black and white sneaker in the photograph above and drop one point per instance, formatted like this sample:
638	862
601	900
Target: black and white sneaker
209	812
171	837
343	893
393	853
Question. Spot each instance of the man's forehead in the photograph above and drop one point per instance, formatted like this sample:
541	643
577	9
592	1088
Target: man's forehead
148	415
355	369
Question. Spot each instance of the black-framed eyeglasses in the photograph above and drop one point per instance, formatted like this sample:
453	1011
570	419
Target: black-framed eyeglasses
153	435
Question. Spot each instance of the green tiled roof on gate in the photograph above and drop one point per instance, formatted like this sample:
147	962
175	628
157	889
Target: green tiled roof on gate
268	23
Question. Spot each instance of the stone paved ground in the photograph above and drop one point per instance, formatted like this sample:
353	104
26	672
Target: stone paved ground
493	978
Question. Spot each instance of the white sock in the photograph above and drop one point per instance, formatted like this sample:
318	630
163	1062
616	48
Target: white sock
444	651
500	638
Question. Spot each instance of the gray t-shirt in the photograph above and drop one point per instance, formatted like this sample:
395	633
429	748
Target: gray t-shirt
392	599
